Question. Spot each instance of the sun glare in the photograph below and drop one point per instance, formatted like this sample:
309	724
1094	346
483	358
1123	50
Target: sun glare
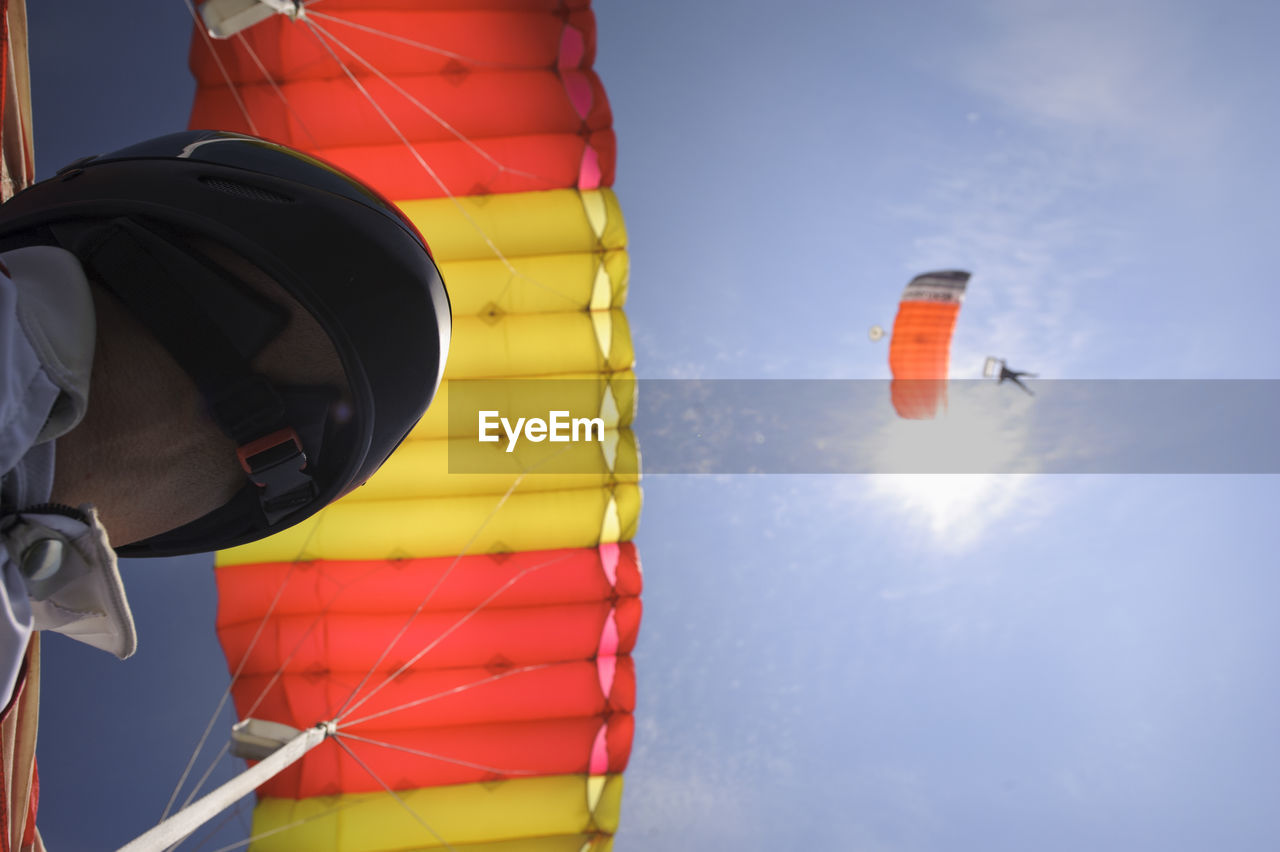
946	475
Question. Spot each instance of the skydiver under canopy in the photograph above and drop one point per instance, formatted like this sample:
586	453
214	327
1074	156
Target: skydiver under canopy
1015	376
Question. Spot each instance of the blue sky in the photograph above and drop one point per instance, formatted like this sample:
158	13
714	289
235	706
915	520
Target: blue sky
864	662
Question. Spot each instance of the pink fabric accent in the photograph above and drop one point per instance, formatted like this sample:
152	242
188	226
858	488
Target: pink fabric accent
573	47
609	636
589	176
609	561
600	752
606	668
607	654
578	88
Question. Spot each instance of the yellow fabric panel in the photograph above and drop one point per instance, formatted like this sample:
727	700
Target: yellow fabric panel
444	526
546	809
581	394
537	345
422	468
535	284
557	221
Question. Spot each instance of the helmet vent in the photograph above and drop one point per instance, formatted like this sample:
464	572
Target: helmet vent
244	190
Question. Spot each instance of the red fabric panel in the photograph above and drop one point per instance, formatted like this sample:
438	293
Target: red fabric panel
423	698
330	113
515	749
332	620
526	126
919	356
918	399
921	343
570	575
512	164
462	41
490	637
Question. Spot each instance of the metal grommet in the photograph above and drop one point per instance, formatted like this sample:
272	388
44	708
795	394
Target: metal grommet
41	559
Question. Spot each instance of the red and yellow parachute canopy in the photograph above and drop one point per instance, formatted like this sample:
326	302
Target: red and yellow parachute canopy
471	633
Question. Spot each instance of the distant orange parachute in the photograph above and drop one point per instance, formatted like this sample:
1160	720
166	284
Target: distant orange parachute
471	633
920	346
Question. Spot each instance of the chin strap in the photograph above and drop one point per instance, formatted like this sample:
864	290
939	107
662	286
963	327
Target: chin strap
212	326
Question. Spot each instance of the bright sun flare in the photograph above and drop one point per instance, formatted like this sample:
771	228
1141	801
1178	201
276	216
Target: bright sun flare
939	472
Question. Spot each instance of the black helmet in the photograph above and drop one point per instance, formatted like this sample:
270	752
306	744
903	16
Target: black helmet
347	255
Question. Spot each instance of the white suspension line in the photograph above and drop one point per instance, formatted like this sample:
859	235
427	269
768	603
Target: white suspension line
315	622
430	113
226	693
407	41
262	69
348	706
319	815
351	723
456	761
426	167
416	816
430	594
208	42
213	764
439	120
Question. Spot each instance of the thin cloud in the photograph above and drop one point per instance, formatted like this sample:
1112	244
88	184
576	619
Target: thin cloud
1019	218
1125	70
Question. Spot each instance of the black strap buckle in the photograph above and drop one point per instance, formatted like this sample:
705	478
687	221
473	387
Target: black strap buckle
277	464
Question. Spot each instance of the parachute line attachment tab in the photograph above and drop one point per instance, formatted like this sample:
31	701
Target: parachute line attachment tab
281	750
225	18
